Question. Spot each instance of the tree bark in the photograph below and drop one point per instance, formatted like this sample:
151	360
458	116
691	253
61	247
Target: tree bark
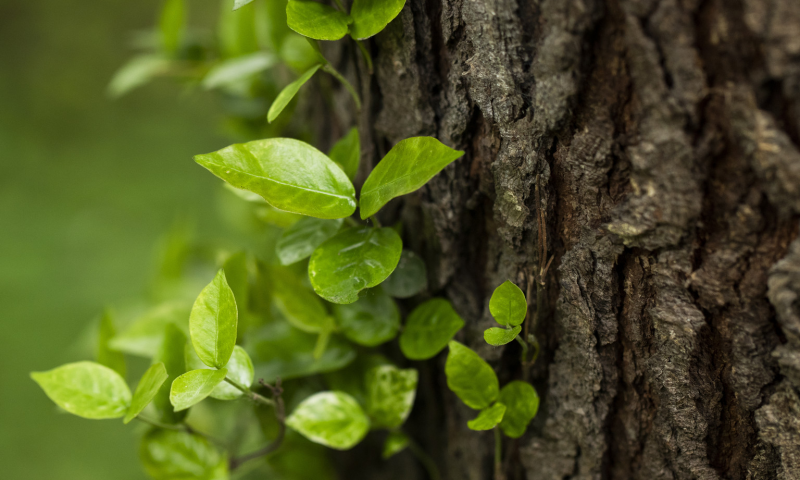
663	136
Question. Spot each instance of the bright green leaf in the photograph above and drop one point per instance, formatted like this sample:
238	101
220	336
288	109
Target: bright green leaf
299	306
395	443
409	278
237	4
148	387
212	323
194	386
390	395
240	369
171	355
289	174
428	329
372	320
289	91
237	69
144	335
347	153
470	377
372	16
137	72
500	336
112	359
488	418
522	403
172	24
316	20
174	455
353	260
508	305
86	389
333	419
408	166
301	239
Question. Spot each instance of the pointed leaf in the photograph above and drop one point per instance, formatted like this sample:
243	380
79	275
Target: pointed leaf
301	239
488	418
353	260
508	305
237	69
395	443
112	359
522	403
148	387
171	355
289	91
409	278
194	386
470	377
212	323
240	369
390	395
428	329
316	20
408	166
333	419
347	153
500	336
289	174
86	389
174	455
372	16
372	320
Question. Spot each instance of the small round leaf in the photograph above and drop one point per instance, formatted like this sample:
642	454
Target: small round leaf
194	386
508	305
488	418
522	403
372	320
428	329
500	336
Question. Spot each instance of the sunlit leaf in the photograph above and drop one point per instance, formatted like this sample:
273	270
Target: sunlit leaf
508	305
522	403
137	72
240	369
500	336
470	377
289	91
488	418
238	69
170	353
409	278
372	16
395	443
194	386
390	395
408	166
353	260
152	380
301	239
144	335
212	323
347	153
86	389
333	419
112	359
370	321
174	455
428	329
316	20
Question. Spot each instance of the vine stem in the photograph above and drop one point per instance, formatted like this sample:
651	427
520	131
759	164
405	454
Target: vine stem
375	222
251	394
338	76
424	459
498	455
366	55
280	416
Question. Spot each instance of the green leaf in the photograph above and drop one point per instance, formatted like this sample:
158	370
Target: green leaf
301	239
347	153
408	166
289	91
372	320
172	24
240	369
409	278
508	305
289	174
194	386
470	377
500	336
171	355
372	16
299	306
105	354
138	71
237	69
174	455
428	329
148	387
353	260
237	4
395	443
86	389
236	31
390	395
488	418
316	20
144	335
522	403
333	419
274	216
212	323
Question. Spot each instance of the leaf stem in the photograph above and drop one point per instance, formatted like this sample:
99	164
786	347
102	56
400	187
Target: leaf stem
280	416
366	55
424	459
498	455
250	394
329	68
375	222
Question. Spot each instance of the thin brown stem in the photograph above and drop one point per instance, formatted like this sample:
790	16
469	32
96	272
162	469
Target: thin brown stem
280	416
250	394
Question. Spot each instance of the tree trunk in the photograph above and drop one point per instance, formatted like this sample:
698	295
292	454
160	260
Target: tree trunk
663	136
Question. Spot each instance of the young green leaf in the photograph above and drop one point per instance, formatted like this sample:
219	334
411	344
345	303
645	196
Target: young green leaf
522	403
353	260
145	334
470	377
488	418
138	71
86	389
508	305
409	278
212	323
237	4
240	369
316	20
194	386
299	306
289	91
172	24
428	329
301	239
395	443
372	16
333	419
408	166
390	395
372	320
347	153
112	359
237	69
500	336
171	355
289	174
173	455
148	387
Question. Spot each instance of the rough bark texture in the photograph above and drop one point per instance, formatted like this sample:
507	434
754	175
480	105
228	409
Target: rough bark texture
664	137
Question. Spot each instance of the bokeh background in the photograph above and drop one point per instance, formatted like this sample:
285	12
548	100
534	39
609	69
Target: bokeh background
87	187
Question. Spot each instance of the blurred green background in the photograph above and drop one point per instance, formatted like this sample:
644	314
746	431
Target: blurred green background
87	186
